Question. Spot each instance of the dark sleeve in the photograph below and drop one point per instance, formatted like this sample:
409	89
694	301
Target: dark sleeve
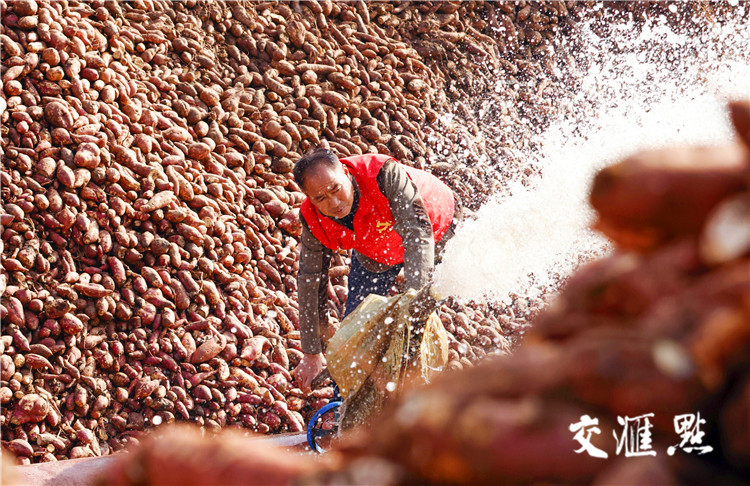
312	289
412	223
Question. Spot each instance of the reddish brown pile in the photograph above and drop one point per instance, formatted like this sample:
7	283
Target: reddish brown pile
148	221
181	455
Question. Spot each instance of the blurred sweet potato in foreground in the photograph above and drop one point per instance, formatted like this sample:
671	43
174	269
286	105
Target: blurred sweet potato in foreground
658	196
7	461
183	455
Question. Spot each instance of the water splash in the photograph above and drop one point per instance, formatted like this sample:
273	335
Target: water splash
639	86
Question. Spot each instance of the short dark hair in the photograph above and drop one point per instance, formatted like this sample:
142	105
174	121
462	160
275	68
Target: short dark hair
318	156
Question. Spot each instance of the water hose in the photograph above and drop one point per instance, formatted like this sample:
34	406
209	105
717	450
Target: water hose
314	432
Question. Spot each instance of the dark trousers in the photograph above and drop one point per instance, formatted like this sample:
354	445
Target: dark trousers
363	283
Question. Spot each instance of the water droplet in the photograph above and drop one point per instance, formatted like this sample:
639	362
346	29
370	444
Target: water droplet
156	420
672	359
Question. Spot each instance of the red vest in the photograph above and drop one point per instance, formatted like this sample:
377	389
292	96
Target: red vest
373	234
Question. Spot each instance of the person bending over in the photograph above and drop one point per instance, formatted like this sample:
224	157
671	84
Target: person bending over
390	215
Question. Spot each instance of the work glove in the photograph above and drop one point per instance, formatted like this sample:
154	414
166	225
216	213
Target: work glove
423	305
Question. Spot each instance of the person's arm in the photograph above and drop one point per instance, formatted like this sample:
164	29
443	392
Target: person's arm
312	295
411	223
312	289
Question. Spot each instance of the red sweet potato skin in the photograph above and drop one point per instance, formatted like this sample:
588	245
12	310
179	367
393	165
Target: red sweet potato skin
180	455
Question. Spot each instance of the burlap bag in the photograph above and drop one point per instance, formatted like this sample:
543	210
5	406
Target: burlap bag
377	353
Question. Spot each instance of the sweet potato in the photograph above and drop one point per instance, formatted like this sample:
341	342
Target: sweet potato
240	458
739	112
7	367
118	270
144	387
158	201
640	219
20	447
20	339
191	286
71	324
15	312
209	349
30	408
197	378
88	155
244	379
212	293
35	361
188	342
92	289
254	348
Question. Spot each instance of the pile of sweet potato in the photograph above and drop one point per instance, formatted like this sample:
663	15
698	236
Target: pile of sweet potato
149	227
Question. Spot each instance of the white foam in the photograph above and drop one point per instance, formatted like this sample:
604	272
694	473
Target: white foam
641	89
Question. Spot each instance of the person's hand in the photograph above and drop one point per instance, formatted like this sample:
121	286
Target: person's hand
423	305
308	368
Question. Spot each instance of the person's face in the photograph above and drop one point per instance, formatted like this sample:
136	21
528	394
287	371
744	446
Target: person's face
330	190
